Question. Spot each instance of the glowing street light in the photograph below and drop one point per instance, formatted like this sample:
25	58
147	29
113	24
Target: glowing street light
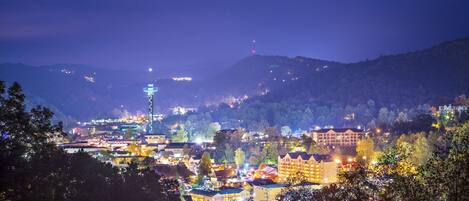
199	141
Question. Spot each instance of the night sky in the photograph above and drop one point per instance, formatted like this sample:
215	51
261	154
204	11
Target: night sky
126	34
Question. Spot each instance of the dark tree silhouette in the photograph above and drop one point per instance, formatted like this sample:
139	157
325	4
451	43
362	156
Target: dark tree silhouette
33	168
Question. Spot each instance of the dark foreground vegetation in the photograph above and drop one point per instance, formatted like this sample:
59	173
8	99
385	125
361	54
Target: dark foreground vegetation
415	167
33	168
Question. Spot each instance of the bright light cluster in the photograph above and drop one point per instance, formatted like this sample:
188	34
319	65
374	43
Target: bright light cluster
178	79
89	78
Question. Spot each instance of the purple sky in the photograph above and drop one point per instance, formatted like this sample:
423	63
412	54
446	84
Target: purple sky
178	34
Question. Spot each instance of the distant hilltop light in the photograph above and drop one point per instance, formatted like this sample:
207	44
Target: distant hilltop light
89	78
66	71
178	79
150	70
180	110
253	48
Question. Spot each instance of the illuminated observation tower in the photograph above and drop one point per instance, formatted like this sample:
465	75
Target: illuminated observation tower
150	90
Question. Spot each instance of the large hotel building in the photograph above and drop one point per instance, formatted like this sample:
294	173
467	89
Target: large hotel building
312	167
337	137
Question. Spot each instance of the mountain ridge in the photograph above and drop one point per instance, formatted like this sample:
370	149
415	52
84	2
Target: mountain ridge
434	75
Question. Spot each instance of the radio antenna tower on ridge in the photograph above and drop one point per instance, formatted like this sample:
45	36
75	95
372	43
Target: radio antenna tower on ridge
253	49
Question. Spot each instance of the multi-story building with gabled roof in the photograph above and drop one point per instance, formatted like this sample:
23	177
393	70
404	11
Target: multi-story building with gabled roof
337	136
307	167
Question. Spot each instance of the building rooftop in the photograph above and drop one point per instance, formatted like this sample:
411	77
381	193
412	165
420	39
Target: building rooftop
230	191
307	184
306	156
228	131
211	193
338	130
197	157
80	147
274	185
155	134
178	145
226	173
120	152
121	140
153	144
261	182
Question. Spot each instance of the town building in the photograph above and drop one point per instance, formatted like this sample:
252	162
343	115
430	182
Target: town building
194	162
71	148
155	138
176	149
151	148
265	172
224	176
267	191
302	166
115	144
219	195
337	136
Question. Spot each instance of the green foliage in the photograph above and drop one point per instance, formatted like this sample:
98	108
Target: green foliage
437	177
229	154
285	131
292	144
422	150
296	194
181	135
269	154
205	166
415	148
421	123
405	188
212	129
353	186
240	157
307	142
457	168
318	149
197	125
365	149
296	178
272	132
356	185
404	172
186	150
385	116
220	141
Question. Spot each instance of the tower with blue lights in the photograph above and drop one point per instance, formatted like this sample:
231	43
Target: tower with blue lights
150	90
